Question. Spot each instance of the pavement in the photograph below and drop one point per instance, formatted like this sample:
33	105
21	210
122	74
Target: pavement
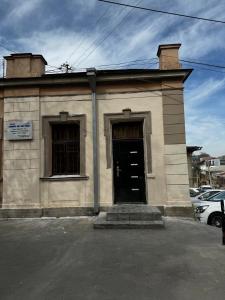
66	258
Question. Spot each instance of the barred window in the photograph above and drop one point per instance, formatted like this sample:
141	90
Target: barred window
64	145
65	149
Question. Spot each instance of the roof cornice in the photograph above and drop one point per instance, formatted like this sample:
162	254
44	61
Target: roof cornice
101	76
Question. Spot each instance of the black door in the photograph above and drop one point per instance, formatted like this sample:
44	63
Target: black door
128	163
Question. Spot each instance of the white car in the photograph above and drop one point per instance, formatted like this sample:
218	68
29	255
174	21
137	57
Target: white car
209	212
204	188
194	192
206	195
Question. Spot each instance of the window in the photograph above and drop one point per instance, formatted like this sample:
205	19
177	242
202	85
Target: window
64	145
65	149
218	197
222	162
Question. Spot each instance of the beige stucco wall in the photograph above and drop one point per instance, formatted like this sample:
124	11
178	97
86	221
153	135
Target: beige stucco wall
21	158
137	102
80	193
68	193
190	171
177	182
23	161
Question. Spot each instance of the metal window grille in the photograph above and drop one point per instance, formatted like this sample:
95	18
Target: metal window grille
65	149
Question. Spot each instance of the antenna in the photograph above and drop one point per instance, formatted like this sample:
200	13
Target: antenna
65	67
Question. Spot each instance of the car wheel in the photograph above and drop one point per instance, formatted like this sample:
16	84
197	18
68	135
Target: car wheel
216	220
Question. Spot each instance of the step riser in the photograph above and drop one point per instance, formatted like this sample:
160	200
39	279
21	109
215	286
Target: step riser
130	217
129	226
133	216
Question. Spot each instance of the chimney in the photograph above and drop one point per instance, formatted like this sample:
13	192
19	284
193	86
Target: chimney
168	56
20	65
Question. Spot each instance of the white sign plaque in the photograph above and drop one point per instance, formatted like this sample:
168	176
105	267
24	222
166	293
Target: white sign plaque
19	130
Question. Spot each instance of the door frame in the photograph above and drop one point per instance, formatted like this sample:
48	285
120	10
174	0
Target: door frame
128	116
144	163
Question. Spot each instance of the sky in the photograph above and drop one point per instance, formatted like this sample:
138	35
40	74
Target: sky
89	33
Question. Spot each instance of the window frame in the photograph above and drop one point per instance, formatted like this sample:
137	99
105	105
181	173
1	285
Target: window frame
62	118
65	160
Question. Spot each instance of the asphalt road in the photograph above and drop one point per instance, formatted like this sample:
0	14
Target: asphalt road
67	259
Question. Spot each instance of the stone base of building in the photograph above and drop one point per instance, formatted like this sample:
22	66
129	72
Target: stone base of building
177	211
46	212
170	211
173	211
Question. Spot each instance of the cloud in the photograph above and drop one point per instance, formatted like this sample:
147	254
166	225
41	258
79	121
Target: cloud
207	131
200	92
57	45
21	9
204	125
90	33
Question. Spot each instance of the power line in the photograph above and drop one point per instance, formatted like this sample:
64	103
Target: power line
182	60
196	64
7	49
82	39
200	68
203	64
129	65
163	12
126	15
52	66
87	49
128	62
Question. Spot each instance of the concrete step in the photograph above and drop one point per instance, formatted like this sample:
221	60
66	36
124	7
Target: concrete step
101	222
133	212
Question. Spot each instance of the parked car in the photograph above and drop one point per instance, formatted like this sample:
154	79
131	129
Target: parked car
203	196
194	192
204	188
209	212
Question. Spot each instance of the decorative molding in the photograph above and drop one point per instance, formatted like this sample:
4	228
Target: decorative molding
62	118
152	176
1	128
64	178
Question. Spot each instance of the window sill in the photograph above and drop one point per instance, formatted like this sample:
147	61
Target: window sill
65	178
151	175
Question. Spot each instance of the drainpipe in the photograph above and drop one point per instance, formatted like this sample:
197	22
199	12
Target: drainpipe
91	75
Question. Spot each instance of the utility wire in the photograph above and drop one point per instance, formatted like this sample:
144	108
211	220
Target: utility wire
88	48
52	66
203	64
164	12
7	49
141	66
81	42
188	62
102	41
127	62
198	62
201	68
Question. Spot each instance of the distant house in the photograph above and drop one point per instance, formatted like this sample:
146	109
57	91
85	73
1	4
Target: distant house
78	143
212	164
212	170
192	170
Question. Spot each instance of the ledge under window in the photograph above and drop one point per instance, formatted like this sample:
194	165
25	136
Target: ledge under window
151	175
65	178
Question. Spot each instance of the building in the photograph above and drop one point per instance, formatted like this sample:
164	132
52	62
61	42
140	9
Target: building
212	170
194	176
77	143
